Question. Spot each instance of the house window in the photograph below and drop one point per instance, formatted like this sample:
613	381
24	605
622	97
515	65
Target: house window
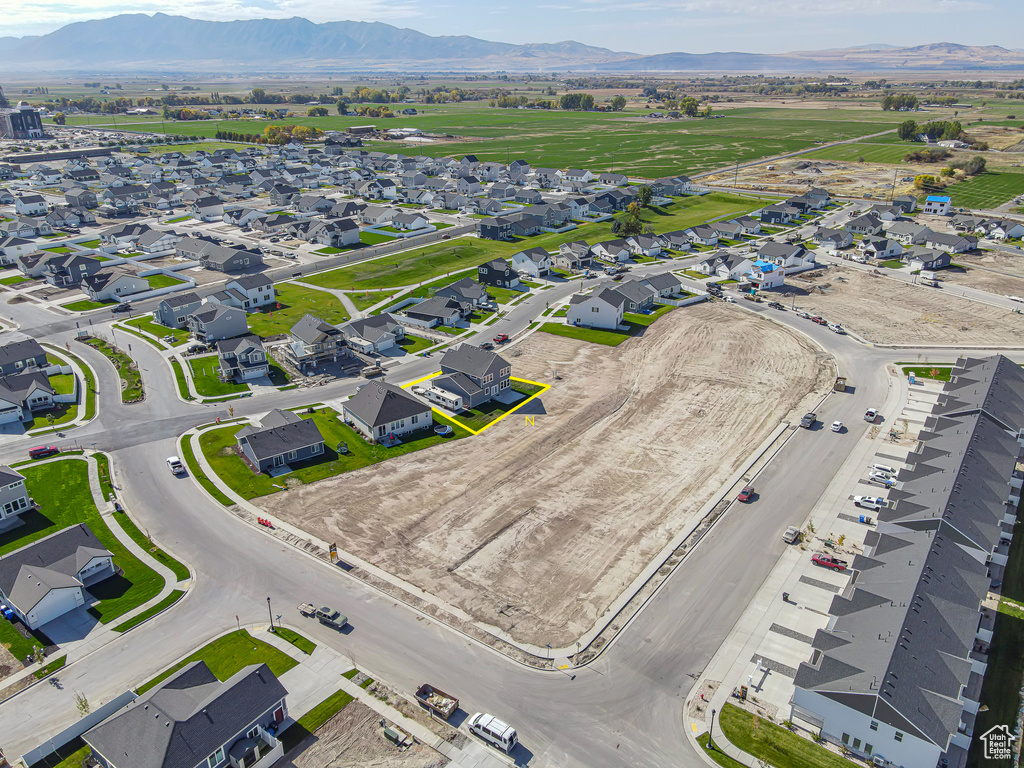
868	748
899	736
318	448
595	309
846	738
856	743
414	420
292	455
254	732
873	726
488	378
216	758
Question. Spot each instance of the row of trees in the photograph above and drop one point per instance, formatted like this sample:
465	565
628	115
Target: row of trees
936	130
899	101
282	134
184	113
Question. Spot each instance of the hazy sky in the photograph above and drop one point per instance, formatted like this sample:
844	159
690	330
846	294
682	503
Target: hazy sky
642	26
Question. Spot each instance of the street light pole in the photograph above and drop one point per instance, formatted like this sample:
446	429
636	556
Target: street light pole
271	612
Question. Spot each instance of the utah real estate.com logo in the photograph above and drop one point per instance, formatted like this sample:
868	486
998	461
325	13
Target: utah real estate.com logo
997	742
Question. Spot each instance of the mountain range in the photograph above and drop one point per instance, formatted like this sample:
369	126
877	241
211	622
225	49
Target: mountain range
141	43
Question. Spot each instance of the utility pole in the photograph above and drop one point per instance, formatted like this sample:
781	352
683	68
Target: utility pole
271	612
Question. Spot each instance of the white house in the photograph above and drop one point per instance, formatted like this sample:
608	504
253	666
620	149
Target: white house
602	309
535	262
940	205
30	205
765	275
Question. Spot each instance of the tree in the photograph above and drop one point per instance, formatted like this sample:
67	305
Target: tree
644	194
689	106
59	119
258	96
907	130
82	704
342	107
619	103
586	102
316	112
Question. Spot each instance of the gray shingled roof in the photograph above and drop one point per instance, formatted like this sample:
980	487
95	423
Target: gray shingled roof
20	350
9	476
470	360
28	574
312	330
187	718
379	403
280	438
16	386
181	299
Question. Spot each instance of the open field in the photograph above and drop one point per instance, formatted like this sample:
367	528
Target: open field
886	311
1004	274
988	190
294	301
354	738
490	521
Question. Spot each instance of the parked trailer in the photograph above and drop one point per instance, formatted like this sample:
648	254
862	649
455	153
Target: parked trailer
308	610
437	701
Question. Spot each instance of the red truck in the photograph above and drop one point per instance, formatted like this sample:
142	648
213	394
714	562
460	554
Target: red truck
828	561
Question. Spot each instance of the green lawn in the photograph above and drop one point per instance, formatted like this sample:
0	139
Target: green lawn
871	152
163	281
719	757
152	611
179	569
147	324
413	344
303	644
1000	692
71	755
103	472
218	446
479	417
130	376
63	383
58	249
228	655
278	376
767	741
936	372
15	280
504	295
179	377
62	413
90	243
204	377
178	220
367	299
891	264
84	305
374	238
189	457
988	190
90	384
19	645
294	301
52	667
61	488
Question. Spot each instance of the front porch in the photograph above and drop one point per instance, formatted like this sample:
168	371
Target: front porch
259	751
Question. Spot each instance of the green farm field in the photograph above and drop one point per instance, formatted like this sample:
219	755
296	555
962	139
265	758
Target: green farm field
988	190
624	141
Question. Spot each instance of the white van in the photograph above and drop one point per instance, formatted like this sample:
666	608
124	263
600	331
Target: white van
491	729
884	468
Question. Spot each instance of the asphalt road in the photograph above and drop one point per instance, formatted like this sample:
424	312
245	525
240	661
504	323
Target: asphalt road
622	710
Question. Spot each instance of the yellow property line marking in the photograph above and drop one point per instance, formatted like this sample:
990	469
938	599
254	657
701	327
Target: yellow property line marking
543	388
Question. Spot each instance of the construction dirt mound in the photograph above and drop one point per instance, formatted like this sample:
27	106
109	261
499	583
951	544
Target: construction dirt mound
537	528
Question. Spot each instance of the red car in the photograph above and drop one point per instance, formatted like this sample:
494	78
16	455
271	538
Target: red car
42	451
501	338
827	561
746	494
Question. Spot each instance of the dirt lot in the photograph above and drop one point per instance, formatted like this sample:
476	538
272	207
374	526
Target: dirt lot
626	448
354	739
886	311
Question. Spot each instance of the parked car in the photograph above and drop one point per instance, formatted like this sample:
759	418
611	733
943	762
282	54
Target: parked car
119	308
746	494
871	416
331	617
494	731
808	420
837	328
487	345
870	502
828	561
42	451
837	426
175	465
501	338
791	535
776	305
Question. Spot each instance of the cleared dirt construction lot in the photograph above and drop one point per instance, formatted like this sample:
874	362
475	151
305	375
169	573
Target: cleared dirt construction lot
549	523
994	271
886	311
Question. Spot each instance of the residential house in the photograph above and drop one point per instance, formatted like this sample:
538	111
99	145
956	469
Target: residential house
908	233
613	179
526	196
64	270
466	291
437	310
748	225
638	295
14	498
113	283
951	243
46	579
173	311
378	214
938	205
81	198
475	375
335	233
644	245
927	258
23	394
313	341
765	275
498	272
887	212
779	215
19	356
574	256
207	208
29	205
533	262
881	247
675	241
379	411
123	234
832	239
726	266
377	333
408	222
786	255
819	197
157	241
615	251
1001	229
242	358
213	322
703	235
868	224
664	284
907	202
13	248
281	438
601	309
222	258
249	292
